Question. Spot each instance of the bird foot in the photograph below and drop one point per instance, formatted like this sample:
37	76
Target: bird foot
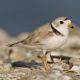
44	61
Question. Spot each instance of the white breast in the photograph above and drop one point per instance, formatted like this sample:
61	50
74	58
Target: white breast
55	41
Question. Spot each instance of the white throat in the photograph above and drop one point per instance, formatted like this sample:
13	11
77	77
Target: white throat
63	29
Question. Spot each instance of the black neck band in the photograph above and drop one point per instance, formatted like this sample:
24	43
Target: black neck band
55	30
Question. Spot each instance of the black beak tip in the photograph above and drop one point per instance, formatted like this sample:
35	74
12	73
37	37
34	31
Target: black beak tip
72	27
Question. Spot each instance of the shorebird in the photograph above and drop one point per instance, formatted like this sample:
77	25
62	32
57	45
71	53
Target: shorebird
49	37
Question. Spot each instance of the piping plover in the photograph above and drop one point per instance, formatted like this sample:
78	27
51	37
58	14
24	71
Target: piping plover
49	36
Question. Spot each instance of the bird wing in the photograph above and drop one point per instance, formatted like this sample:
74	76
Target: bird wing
39	34
35	37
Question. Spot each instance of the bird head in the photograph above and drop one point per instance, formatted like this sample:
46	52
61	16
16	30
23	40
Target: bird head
63	21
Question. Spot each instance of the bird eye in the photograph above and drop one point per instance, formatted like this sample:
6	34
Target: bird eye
61	22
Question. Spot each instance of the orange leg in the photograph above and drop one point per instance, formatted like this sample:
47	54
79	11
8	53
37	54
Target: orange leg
45	64
44	61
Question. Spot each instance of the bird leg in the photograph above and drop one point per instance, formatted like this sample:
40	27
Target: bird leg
44	61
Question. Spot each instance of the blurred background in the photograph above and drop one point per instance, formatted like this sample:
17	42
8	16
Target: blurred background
17	16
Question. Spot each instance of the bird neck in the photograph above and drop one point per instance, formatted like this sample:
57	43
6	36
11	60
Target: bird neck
63	29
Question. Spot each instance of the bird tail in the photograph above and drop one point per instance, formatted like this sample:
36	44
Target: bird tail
15	43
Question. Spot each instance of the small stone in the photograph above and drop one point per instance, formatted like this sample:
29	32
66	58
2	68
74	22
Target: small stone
56	66
64	77
7	66
75	61
75	68
65	66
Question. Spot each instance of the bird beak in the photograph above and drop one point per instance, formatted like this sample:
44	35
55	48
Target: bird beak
70	25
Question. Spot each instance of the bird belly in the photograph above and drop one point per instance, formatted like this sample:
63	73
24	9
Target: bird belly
54	42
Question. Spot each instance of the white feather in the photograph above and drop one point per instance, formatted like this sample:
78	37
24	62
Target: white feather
56	41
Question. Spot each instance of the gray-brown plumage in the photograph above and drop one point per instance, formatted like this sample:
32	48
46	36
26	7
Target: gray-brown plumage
49	36
42	32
